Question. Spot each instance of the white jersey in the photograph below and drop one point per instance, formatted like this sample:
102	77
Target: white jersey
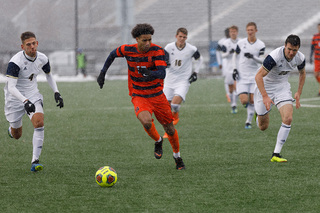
228	45
180	60
248	67
25	71
279	67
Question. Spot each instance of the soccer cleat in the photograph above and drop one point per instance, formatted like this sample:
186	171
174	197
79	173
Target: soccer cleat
165	135
248	126
158	149
9	133
276	157
234	110
36	166
179	163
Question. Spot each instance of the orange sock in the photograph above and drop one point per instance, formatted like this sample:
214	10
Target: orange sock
152	132
174	141
175	115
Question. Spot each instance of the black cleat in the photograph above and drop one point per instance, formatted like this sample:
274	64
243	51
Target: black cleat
158	149
179	163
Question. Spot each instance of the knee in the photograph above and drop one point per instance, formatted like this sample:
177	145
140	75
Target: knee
287	120
244	103
38	124
170	130
16	134
263	126
146	123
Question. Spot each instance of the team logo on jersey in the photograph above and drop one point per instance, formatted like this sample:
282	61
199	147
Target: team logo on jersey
150	59
25	63
25	68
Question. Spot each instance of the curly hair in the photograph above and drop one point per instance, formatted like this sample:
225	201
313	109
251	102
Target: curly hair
142	29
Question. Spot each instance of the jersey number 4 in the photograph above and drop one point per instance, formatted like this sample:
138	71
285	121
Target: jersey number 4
31	77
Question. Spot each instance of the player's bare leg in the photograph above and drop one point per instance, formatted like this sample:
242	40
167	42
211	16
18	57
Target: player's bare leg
175	106
263	121
15	133
233	97
247	101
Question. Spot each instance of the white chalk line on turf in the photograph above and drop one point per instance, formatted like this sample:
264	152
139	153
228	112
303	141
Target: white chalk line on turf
191	105
310	100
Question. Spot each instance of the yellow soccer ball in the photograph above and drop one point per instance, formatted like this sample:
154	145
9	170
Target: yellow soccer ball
106	176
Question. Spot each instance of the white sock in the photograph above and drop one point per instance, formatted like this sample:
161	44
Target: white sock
175	107
176	155
235	98
250	113
37	141
257	122
282	137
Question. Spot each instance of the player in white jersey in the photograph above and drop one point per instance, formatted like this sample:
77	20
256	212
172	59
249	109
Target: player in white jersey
223	61
249	55
228	50
273	88
22	94
179	73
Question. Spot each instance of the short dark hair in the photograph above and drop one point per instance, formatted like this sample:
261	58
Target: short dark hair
252	24
294	40
182	30
142	29
26	35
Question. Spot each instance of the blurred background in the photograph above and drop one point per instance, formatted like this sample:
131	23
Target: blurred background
98	26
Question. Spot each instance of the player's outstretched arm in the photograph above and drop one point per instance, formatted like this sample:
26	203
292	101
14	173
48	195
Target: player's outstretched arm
107	64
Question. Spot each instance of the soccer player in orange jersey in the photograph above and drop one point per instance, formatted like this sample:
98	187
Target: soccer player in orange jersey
146	71
315	49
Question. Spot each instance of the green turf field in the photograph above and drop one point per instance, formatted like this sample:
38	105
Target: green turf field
228	168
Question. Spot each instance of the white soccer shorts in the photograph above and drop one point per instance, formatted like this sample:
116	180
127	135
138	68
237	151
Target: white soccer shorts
245	88
15	118
180	89
280	94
